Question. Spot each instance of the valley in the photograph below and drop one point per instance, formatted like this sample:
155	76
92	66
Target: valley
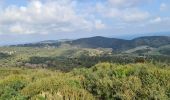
79	69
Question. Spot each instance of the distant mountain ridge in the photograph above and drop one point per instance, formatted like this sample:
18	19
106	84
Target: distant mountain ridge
121	44
105	42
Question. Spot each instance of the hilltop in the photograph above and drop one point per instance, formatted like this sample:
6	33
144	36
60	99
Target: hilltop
104	42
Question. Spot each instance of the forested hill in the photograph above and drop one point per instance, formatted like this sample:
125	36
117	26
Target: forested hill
120	44
104	42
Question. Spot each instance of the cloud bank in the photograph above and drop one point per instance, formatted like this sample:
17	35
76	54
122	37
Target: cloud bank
81	16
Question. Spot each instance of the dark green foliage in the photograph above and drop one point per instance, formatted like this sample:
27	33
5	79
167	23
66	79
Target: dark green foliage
140	81
165	51
4	55
10	87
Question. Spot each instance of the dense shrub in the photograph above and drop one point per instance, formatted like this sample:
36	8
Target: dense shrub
104	81
134	81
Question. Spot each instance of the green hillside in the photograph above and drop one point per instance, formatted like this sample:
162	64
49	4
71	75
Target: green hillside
121	44
104	42
107	69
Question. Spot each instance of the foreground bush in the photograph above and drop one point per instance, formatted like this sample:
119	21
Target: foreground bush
104	81
134	81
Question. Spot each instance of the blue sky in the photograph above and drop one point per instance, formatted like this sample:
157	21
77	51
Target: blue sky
35	20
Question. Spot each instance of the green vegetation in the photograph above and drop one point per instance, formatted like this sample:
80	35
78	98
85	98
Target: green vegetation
104	81
127	70
104	42
67	58
165	50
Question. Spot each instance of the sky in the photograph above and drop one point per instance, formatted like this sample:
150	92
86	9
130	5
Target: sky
24	21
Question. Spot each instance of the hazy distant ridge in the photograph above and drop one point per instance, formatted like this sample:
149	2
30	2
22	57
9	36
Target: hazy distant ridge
104	42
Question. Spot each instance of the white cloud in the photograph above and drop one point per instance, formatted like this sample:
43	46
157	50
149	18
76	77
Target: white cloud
163	7
156	20
99	24
16	29
43	18
135	16
123	10
126	15
113	12
123	3
75	16
127	3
